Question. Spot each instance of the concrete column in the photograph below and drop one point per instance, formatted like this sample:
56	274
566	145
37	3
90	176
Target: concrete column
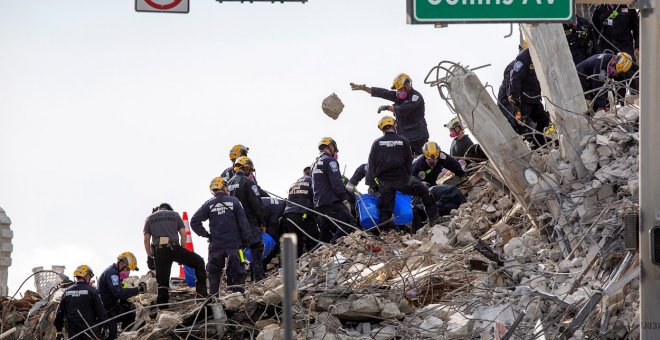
6	248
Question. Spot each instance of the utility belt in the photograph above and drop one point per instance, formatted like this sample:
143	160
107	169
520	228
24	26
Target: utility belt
164	242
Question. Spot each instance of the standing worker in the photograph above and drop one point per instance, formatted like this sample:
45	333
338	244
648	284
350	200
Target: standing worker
408	109
617	29
427	167
113	294
229	230
579	36
162	230
390	166
330	193
298	212
81	306
236	151
247	192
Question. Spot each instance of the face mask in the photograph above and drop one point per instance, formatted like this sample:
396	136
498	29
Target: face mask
431	162
251	177
402	95
611	71
123	275
452	134
335	156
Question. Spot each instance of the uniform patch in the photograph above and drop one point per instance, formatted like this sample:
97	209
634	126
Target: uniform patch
517	66
255	190
443	155
221	208
334	166
415	97
115	280
390	143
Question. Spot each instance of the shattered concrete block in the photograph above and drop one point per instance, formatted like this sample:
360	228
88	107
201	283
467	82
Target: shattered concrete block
485	316
565	266
332	106
383	333
432	326
271	332
458	325
391	311
359	308
464	237
274	296
590	157
166	320
234	301
512	245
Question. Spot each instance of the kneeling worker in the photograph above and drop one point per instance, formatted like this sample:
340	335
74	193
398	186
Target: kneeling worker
428	166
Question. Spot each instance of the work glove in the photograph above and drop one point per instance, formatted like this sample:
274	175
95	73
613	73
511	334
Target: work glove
347	205
383	108
372	190
151	263
142	287
358	87
514	102
350	188
59	336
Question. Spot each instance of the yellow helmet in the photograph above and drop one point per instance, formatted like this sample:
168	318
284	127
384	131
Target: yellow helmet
453	123
129	259
328	141
237	150
525	44
217	184
431	150
386	121
83	270
243	162
400	80
623	62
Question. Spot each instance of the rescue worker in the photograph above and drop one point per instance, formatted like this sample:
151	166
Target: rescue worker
390	166
81	306
525	97
273	211
113	294
228	231
329	193
236	151
446	197
298	214
503	93
162	230
579	36
247	192
597	70
617	29
462	145
429	166
408	109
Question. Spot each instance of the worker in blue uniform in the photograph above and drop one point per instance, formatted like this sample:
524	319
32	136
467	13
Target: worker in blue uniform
81	307
429	166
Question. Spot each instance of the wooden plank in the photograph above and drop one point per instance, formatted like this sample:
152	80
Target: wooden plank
559	84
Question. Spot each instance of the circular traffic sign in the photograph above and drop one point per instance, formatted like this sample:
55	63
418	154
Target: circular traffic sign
170	5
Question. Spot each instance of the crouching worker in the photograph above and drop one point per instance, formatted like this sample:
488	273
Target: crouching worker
162	230
229	231
115	297
81	306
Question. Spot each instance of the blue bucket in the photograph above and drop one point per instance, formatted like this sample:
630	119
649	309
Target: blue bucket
269	245
367	207
403	210
189	274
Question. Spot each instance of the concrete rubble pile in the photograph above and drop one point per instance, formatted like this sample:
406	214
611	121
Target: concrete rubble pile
489	272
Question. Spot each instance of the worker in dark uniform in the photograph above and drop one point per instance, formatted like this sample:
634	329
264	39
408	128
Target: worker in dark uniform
228	231
113	294
429	166
525	97
81	306
298	214
162	230
462	145
579	36
329	193
273	212
597	70
390	166
618	26
241	187
236	151
503	94
408	109
447	197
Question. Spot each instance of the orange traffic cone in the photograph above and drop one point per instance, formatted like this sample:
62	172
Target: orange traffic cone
188	241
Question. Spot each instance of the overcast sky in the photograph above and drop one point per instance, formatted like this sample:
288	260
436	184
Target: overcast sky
105	112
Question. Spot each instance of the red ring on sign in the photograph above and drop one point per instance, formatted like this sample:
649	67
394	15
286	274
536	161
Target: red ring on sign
171	5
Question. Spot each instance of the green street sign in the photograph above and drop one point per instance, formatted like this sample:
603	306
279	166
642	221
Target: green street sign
443	11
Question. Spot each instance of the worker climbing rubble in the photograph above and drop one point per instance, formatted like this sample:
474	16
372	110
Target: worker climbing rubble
162	230
408	109
390	166
228	232
602	70
81	308
247	192
115	296
330	195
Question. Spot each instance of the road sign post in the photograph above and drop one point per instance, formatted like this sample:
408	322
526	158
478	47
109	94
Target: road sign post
462	11
167	6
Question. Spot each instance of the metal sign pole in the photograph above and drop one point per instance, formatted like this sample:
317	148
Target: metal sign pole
649	164
289	247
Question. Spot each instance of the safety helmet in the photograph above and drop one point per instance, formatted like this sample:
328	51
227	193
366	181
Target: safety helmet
386	121
83	271
525	44
129	259
217	184
453	123
237	150
623	62
243	162
328	141
431	150
400	80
